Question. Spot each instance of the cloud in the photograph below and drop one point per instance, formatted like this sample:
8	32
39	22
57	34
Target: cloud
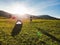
45	4
17	8
34	6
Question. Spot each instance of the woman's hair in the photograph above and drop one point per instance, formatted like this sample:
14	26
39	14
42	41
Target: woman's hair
19	21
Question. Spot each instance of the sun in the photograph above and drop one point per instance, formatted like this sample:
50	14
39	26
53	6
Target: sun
19	9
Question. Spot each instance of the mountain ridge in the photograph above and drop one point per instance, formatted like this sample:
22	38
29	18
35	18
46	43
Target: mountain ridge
44	17
5	14
8	15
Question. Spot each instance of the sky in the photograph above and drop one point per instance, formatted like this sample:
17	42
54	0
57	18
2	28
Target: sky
34	7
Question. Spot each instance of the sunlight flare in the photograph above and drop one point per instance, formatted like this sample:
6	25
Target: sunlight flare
19	9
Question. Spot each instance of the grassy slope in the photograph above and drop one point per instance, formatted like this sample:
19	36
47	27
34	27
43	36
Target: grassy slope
30	34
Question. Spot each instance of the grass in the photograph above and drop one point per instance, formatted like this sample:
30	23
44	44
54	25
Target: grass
29	34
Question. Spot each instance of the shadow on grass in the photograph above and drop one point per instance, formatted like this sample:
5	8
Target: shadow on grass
47	34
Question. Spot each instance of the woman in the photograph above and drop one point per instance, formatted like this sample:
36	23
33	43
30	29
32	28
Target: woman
17	28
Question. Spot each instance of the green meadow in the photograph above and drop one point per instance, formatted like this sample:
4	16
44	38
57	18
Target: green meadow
29	34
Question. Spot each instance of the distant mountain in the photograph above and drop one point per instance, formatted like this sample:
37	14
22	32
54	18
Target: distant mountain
5	14
44	17
8	15
47	17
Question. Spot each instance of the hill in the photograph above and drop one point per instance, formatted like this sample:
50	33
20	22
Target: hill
5	14
47	17
8	15
44	17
